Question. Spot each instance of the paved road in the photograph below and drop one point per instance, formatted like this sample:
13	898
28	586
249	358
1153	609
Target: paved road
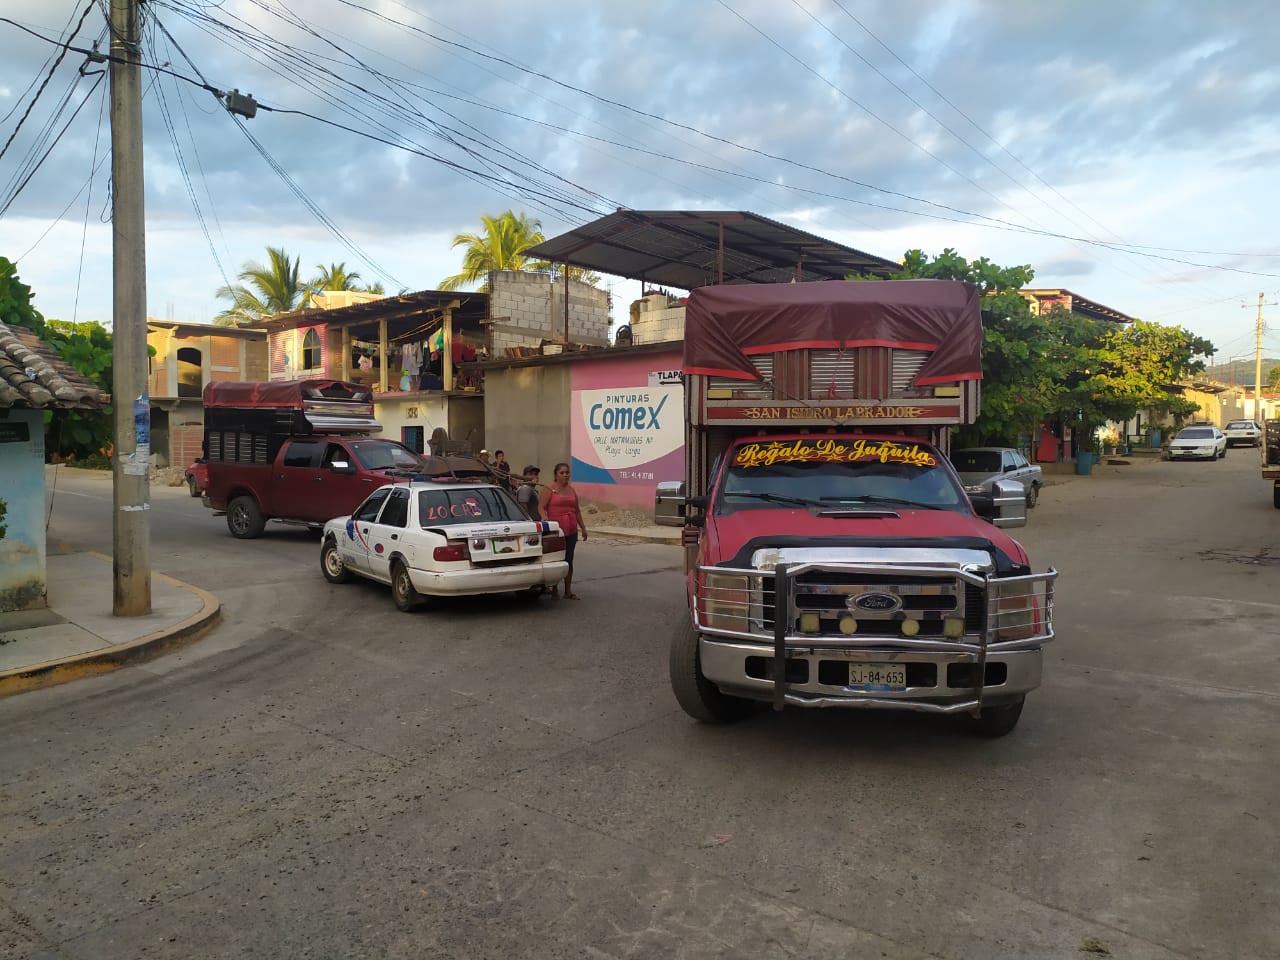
326	777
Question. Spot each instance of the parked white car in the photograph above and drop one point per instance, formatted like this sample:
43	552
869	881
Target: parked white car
1197	443
428	538
1243	432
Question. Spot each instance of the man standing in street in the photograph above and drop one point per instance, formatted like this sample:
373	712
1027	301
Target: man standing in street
527	494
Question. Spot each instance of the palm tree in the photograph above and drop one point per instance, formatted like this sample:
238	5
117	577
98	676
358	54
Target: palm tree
500	246
266	290
335	277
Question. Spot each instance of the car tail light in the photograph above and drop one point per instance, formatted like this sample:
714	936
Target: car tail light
553	544
450	552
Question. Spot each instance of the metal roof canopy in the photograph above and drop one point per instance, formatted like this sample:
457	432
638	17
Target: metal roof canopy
694	248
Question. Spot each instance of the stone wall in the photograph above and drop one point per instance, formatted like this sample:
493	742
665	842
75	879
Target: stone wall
527	308
658	322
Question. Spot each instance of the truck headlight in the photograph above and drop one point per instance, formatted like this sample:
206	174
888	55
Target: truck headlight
1017	611
726	601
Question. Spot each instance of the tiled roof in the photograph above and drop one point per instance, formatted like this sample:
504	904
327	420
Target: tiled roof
33	375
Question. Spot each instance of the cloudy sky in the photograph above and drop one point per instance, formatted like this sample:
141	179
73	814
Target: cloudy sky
1126	151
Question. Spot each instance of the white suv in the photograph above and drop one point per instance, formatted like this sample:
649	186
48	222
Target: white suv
1243	432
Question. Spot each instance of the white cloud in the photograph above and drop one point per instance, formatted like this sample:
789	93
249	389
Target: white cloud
1158	123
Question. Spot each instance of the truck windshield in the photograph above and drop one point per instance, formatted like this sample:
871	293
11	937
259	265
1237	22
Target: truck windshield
833	473
385	455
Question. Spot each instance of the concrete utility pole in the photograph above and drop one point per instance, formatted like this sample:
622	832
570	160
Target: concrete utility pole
131	526
1257	370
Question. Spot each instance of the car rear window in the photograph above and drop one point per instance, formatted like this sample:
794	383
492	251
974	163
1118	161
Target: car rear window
447	506
976	461
1239	424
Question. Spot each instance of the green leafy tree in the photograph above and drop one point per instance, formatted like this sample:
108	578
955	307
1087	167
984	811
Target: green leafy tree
1273	378
1023	362
86	346
500	245
266	289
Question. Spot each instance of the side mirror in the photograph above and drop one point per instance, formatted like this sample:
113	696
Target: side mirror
1009	502
342	466
669	504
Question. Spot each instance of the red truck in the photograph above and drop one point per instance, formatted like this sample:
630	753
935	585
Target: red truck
834	558
299	451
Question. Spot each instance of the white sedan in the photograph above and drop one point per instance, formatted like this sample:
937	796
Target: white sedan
1198	443
426	538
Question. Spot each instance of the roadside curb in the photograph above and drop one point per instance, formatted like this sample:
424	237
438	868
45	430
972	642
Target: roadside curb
613	534
64	670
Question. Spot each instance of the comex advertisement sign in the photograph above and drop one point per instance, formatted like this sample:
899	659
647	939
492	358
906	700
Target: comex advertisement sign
628	434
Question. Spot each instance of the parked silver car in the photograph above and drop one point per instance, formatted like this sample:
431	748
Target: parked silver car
981	467
1243	432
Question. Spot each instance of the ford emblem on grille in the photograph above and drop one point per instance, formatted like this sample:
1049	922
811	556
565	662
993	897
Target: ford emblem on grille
875	602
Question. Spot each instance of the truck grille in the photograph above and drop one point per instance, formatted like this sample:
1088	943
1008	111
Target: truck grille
829	594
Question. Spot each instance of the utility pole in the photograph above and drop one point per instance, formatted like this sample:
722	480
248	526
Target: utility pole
1257	370
131	499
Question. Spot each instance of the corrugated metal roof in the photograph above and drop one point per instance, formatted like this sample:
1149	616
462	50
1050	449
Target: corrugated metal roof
33	375
684	249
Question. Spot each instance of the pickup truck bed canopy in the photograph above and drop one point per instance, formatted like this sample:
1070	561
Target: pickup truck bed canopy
290	407
282	393
725	325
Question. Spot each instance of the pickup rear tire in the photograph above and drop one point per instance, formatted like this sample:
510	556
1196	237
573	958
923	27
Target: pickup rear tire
698	696
244	519
331	565
1033	495
402	590
998	721
191	485
1275	494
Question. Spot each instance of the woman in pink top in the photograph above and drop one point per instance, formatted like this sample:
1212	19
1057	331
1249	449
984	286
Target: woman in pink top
559	502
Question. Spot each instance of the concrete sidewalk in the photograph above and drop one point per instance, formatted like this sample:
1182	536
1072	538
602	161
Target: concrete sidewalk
76	635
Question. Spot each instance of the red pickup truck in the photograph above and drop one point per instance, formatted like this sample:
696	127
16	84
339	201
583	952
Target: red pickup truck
296	451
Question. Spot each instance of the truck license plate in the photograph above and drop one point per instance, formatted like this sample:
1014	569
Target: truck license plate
878	676
505	545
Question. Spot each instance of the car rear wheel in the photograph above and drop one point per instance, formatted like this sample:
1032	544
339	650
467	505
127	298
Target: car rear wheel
244	519
1275	494
191	485
403	593
331	565
698	696
1033	495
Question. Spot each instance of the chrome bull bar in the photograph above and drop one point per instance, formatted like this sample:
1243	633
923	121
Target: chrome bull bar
1016	615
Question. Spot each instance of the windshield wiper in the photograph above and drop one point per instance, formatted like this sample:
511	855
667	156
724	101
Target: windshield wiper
778	498
894	501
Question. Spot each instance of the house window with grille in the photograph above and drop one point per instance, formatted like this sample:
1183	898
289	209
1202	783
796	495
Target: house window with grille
311	357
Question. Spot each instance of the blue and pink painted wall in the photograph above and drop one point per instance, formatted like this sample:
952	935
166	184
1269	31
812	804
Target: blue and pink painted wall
626	427
22	551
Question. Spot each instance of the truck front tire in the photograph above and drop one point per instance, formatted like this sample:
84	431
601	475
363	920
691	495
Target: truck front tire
997	721
698	696
244	519
1275	494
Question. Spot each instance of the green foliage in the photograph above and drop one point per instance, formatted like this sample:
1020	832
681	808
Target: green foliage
1085	371
1021	358
500	246
267	289
85	346
1273	378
